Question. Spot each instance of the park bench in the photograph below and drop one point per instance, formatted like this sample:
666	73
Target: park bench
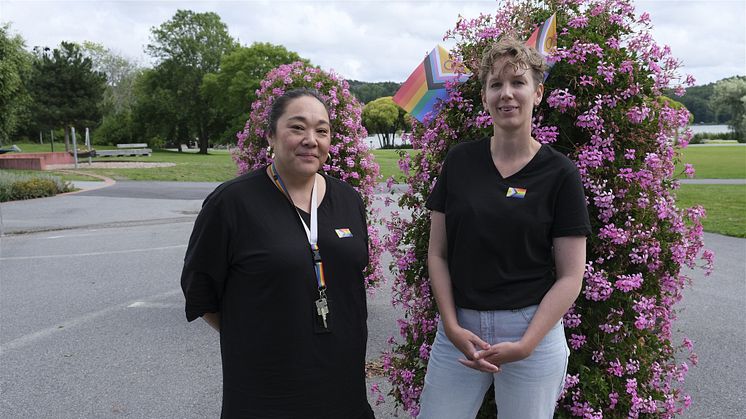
126	150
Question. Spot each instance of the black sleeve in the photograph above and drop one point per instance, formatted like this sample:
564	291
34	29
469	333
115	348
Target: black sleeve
206	261
437	199
570	209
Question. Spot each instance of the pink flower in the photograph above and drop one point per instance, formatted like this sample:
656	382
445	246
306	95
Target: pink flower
577	341
628	283
637	114
689	170
561	99
578	22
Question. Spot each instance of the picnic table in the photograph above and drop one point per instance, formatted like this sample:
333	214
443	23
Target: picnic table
126	150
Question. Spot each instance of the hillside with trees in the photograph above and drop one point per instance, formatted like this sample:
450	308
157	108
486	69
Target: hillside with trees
367	92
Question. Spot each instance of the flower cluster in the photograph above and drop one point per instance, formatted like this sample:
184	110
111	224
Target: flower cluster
603	109
350	161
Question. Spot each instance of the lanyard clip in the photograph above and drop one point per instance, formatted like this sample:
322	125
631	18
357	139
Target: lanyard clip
316	254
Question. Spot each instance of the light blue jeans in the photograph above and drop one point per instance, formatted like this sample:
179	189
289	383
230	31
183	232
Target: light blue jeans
526	389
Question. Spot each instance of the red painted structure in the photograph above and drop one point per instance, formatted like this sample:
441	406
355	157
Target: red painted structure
34	161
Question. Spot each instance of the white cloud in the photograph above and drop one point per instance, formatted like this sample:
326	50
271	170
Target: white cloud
366	40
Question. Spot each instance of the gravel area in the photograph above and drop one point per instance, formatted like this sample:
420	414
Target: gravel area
110	165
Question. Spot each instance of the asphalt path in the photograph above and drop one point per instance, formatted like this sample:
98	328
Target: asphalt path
92	322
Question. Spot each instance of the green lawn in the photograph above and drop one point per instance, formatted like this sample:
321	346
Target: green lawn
717	162
388	161
217	166
725	205
191	167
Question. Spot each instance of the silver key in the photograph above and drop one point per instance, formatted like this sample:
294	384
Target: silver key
322	309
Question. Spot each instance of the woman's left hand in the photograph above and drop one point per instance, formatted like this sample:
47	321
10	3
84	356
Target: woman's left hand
504	352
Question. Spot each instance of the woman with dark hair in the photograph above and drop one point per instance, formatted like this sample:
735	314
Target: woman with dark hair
275	264
506	255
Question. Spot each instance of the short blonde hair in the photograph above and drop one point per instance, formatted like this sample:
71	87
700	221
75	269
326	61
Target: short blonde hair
518	55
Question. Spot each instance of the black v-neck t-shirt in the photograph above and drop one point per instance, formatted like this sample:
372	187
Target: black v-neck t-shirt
249	259
500	230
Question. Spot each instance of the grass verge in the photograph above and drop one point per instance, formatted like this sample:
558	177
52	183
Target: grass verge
388	161
715	162
217	166
725	205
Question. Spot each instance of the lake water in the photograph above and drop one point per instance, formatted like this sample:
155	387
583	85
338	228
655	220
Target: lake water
715	129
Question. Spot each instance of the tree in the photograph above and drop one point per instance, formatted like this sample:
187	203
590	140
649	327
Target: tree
729	95
232	89
65	88
15	68
119	94
384	118
156	112
367	92
120	72
189	46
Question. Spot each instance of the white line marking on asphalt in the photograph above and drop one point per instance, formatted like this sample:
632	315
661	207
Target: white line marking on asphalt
112	252
76	321
145	304
61	236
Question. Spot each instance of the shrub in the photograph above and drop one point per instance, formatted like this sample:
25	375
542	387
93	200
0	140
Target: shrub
351	160
115	129
600	108
703	137
156	142
15	187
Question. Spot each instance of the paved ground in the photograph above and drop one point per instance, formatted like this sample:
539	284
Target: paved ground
92	315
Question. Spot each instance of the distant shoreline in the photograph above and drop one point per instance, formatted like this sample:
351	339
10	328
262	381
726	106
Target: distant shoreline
709	128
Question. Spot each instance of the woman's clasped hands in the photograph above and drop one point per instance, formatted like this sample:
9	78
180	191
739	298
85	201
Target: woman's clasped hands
484	357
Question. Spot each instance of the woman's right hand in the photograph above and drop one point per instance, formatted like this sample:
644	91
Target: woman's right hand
469	344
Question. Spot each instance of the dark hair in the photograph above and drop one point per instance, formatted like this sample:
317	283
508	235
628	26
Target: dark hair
281	103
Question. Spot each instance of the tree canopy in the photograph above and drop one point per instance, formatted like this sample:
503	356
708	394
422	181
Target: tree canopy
729	95
231	90
367	92
65	88
384	118
188	46
15	67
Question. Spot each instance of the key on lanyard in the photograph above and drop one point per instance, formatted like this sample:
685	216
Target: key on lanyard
322	308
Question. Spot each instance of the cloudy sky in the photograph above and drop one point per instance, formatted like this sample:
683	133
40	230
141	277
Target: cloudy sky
364	39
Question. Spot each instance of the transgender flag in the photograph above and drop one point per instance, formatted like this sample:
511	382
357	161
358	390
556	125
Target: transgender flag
427	83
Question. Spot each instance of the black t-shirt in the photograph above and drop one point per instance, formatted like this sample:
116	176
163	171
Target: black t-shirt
249	259
500	230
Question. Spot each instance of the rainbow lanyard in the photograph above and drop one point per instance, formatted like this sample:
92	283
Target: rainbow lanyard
312	233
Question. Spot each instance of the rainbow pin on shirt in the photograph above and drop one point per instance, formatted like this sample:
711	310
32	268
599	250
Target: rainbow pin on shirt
517	193
343	232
